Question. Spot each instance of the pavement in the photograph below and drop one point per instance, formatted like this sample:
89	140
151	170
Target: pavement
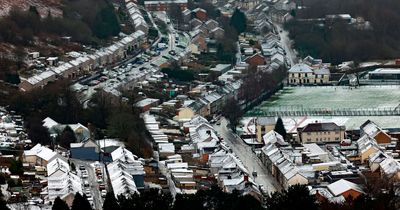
92	179
248	157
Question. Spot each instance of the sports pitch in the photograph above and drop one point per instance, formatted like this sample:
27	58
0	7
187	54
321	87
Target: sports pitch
330	97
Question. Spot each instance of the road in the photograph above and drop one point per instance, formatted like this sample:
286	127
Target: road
291	55
131	74
92	179
249	158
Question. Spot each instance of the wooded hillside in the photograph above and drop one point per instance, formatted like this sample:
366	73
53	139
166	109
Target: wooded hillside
337	41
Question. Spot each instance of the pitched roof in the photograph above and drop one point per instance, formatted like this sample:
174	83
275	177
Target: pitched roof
265	121
41	151
390	167
314	127
57	164
300	68
341	186
323	71
49	123
273	137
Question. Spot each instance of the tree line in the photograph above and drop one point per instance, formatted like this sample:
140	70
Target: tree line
85	21
337	41
295	197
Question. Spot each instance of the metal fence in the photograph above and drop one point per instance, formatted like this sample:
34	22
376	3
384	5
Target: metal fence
293	111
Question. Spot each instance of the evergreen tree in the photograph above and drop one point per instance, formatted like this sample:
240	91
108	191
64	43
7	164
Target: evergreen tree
80	203
110	202
59	204
33	10
239	21
67	137
106	23
293	198
16	167
280	128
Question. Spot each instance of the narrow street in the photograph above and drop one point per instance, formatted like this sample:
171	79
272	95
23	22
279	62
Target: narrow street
249	158
291	55
92	179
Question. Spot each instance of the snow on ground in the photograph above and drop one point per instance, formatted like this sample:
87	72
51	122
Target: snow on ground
329	97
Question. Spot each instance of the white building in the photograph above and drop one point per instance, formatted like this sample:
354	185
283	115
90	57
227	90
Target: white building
61	182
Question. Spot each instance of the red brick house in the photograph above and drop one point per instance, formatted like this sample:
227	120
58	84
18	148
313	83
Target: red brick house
200	14
255	60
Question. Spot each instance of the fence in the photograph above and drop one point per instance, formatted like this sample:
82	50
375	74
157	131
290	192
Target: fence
325	112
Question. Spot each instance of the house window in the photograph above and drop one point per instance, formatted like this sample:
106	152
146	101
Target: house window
308	140
336	132
337	139
308	133
306	75
329	133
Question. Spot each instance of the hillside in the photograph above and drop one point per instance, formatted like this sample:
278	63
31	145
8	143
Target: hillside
340	30
26	27
43	6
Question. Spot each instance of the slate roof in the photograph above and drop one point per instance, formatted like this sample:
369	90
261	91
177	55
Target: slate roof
317	127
